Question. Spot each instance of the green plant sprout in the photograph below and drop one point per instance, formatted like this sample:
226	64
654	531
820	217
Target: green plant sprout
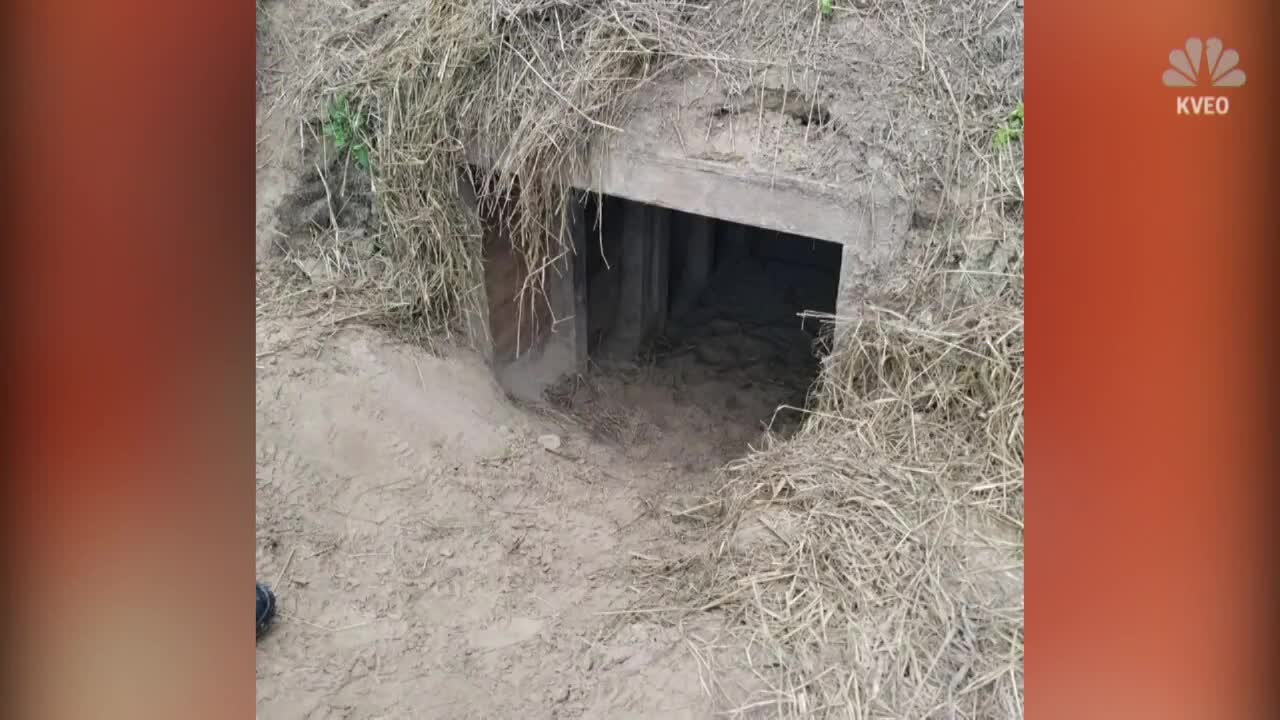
827	7
346	129
1011	130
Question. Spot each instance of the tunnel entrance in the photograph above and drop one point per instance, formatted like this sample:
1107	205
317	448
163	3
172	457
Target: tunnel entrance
695	325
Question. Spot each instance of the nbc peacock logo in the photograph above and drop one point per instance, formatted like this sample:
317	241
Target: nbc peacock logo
1197	62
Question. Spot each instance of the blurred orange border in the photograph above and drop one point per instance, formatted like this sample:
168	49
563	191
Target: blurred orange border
129	298
1149	239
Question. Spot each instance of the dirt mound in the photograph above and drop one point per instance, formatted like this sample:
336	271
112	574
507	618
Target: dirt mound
433	559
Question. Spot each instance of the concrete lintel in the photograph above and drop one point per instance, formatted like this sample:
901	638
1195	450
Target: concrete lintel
862	215
871	217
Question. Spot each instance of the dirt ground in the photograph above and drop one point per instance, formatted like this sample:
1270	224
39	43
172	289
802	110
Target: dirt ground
434	559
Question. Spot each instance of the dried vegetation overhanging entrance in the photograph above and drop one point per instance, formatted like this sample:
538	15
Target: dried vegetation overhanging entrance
916	432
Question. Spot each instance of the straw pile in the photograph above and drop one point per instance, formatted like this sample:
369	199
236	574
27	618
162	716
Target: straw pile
886	582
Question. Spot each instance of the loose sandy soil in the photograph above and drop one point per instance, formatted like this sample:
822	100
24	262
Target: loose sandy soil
433	559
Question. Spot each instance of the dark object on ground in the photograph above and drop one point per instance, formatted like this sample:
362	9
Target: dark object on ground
266	608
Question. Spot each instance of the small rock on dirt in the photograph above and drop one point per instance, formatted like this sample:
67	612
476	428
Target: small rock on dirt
549	442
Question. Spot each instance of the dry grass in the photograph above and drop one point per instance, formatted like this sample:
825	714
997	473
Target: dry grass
887	581
530	83
872	563
534	84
